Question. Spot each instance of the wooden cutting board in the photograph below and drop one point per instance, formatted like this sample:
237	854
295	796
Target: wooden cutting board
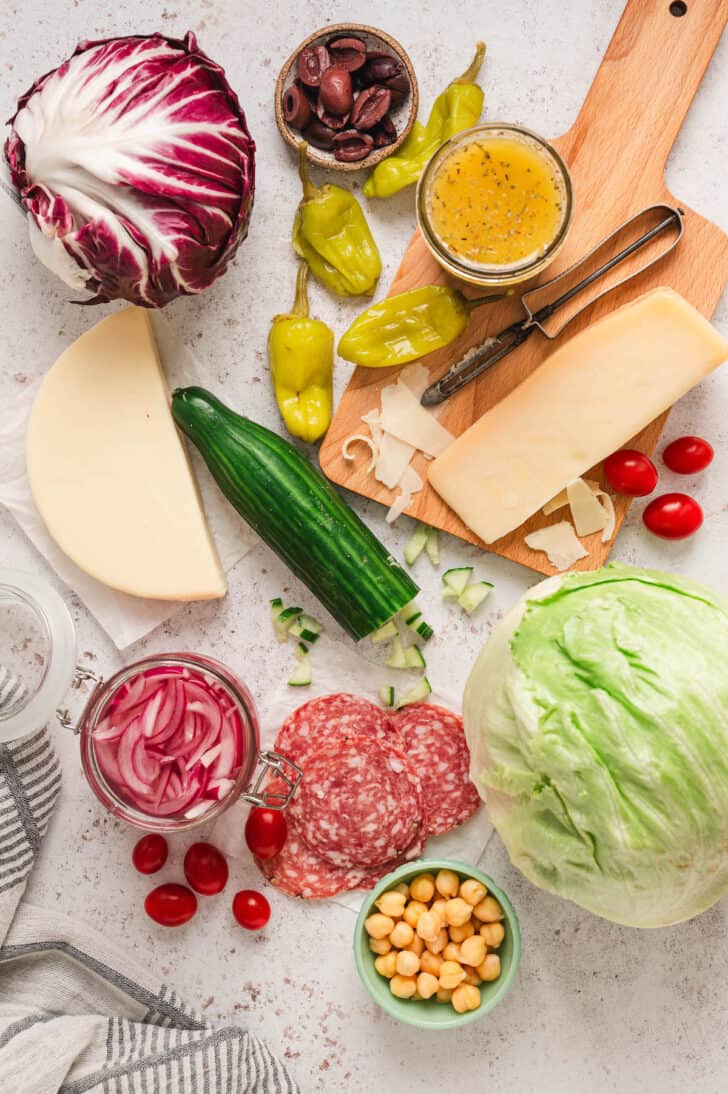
616	152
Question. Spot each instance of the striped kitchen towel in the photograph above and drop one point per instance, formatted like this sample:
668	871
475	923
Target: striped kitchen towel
76	1016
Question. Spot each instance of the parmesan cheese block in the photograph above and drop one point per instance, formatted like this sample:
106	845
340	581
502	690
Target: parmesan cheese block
108	470
588	398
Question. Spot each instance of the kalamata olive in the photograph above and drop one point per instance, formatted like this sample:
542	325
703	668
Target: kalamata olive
349	53
370	107
319	135
351	146
384	132
312	63
333	121
296	107
311	93
399	86
380	67
335	93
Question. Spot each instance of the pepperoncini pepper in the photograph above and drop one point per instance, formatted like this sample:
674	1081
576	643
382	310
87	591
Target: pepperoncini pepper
301	356
331	233
456	108
404	327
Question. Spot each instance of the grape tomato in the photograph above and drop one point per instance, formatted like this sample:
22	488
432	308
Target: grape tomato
206	869
673	516
688	455
170	904
150	853
265	832
251	909
630	472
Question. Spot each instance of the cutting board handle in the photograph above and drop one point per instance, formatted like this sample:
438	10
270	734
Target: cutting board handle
647	80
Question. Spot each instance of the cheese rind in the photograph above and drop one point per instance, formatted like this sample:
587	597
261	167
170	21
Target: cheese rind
108	470
588	398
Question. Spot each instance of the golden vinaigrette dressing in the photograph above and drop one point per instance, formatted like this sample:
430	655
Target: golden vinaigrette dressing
496	201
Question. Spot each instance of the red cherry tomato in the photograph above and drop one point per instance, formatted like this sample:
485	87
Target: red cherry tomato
687	455
251	909
630	472
150	853
265	832
673	516
206	869
171	904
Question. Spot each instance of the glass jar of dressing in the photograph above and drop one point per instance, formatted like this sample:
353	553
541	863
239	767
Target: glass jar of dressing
494	204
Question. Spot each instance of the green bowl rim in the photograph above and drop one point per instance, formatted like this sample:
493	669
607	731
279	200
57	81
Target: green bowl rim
424	866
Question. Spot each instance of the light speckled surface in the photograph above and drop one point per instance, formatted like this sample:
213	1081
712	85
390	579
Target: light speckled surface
597	1007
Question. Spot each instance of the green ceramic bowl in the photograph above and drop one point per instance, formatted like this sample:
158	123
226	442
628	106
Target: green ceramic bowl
428	1013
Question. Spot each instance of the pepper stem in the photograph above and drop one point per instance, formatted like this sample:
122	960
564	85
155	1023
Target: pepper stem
309	190
472	303
300	304
468	77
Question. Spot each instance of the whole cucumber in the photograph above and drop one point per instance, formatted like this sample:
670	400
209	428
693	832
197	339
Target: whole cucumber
297	512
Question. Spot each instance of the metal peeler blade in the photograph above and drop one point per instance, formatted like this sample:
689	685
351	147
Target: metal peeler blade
499	346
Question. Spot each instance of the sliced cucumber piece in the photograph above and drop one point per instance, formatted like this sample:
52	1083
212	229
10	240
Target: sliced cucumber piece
432	547
413	657
306	627
397	658
287	616
424	630
474	594
386	694
412	617
416	544
454	581
389	630
301	675
276	606
417	694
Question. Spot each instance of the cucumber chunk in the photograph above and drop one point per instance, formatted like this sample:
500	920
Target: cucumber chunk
432	547
474	594
306	628
301	676
386	694
417	694
389	630
397	658
276	607
416	544
413	657
424	630
454	581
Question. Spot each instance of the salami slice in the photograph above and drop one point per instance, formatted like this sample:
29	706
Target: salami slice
328	719
435	743
360	803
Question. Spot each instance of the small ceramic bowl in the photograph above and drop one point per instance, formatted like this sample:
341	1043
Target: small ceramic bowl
428	1013
403	116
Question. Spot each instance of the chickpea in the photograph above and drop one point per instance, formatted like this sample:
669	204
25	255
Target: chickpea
392	904
427	985
423	888
444	995
431	962
408	963
378	926
386	965
417	945
439	944
380	945
459	934
465	997
493	934
473	951
402	888
438	907
457	912
491	967
428	926
404	987
471	977
402	935
489	910
451	952
447	883
451	974
413	911
473	891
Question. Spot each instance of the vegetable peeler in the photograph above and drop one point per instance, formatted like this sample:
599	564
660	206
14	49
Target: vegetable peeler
495	348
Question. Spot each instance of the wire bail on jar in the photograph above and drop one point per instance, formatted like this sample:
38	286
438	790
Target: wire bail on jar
272	763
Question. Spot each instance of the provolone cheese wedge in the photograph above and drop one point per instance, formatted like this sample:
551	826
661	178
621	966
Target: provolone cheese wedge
587	399
108	470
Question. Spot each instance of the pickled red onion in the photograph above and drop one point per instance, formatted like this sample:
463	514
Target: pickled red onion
170	741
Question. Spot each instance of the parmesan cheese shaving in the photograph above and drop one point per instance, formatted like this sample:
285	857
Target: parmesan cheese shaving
394	459
409	485
587	513
416	377
608	502
362	439
403	417
559	544
561	499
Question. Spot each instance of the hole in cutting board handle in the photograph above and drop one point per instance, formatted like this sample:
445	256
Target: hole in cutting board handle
678	8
